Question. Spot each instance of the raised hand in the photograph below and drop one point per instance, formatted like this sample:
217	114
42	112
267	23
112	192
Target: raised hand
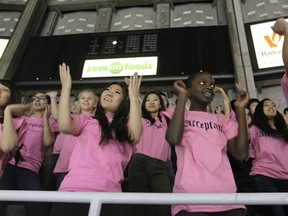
53	104
134	122
64	120
243	96
65	76
47	111
18	110
180	88
280	27
134	84
52	94
218	89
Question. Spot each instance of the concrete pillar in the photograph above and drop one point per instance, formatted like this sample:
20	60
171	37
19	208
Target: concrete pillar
27	27
103	20
163	15
242	63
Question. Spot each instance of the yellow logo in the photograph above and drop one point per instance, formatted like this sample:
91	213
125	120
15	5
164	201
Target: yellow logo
272	41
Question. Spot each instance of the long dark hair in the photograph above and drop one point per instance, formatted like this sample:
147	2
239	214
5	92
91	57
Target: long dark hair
260	120
145	113
118	126
14	90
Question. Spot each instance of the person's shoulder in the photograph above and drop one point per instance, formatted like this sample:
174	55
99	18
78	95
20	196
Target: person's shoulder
254	129
169	112
223	119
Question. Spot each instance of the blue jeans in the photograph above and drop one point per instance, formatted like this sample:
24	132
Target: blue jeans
17	178
268	184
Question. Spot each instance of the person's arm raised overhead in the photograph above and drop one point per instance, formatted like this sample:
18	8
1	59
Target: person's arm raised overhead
225	100
175	129
48	135
54	109
10	136
65	123
239	147
134	121
281	27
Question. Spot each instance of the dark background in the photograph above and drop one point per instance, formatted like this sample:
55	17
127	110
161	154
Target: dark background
181	51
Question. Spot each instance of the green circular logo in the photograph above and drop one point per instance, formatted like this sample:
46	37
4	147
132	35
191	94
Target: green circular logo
115	68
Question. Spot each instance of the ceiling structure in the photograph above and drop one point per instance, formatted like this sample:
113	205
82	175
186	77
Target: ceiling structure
19	5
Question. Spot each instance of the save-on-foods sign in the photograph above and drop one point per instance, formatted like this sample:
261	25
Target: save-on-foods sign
118	67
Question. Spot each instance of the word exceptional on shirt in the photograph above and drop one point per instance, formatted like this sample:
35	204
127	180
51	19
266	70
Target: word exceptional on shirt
203	125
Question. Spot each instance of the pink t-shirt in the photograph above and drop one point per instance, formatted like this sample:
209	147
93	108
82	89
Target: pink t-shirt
5	157
270	153
33	149
284	84
202	162
95	167
65	153
58	143
153	142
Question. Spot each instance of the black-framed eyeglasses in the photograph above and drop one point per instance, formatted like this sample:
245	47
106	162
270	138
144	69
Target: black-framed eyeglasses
44	98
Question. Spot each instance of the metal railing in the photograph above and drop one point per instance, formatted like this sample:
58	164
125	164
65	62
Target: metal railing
96	199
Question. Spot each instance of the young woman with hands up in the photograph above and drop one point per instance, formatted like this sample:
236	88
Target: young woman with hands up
104	143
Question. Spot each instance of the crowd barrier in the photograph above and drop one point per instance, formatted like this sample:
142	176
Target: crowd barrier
96	199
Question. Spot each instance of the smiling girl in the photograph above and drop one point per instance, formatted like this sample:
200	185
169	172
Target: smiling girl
269	148
147	169
104	143
201	141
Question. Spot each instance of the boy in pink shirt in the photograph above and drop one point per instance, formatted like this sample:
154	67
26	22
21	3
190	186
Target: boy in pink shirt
202	140
104	143
269	148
